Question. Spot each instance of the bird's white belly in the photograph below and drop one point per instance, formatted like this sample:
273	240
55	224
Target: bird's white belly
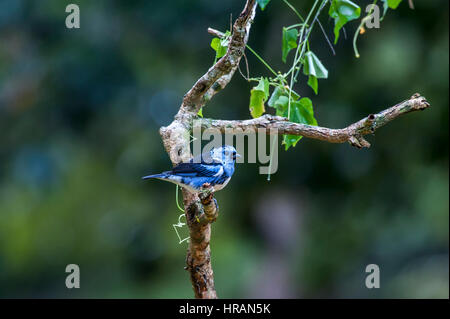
189	188
177	180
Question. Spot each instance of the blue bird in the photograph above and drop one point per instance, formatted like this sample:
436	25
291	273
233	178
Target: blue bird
214	168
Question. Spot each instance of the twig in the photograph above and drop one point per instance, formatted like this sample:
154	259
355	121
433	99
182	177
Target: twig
216	33
326	37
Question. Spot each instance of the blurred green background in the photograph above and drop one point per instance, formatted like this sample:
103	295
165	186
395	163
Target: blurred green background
79	117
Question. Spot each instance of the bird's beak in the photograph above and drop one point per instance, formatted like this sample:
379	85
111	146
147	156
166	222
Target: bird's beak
236	156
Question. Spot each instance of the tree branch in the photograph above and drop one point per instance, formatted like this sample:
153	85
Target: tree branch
199	216
201	210
354	133
220	74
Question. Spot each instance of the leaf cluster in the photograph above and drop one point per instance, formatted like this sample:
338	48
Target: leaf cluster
295	38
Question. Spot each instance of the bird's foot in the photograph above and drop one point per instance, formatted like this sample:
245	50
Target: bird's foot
208	202
206	186
206	193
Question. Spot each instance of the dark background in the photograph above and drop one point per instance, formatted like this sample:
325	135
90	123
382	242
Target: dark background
79	116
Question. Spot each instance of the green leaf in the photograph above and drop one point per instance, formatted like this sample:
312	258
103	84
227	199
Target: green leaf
279	91
263	85
301	112
258	95
313	83
256	103
295	116
220	46
315	69
280	95
200	112
280	98
343	11
215	42
263	3
313	66
306	110
282	105
393	4
289	42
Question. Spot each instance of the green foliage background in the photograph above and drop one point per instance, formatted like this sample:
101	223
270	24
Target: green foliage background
79	118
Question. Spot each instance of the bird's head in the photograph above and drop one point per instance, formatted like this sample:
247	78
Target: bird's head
225	154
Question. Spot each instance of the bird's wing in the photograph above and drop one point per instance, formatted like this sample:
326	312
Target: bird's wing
198	169
205	158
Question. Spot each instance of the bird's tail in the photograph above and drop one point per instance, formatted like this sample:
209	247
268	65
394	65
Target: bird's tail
162	175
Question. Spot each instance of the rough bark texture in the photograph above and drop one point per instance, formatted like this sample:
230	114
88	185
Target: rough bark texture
354	133
202	209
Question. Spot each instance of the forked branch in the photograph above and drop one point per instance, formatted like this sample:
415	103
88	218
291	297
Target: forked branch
201	210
